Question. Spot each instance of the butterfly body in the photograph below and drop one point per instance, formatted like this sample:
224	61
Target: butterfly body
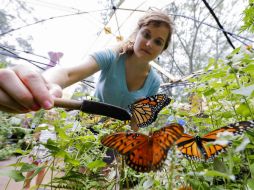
202	147
144	153
198	148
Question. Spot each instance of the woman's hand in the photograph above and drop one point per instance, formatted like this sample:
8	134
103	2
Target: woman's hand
23	90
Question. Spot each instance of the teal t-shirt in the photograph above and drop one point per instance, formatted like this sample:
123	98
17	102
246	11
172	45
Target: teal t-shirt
112	88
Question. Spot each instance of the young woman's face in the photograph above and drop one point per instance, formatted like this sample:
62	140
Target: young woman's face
150	41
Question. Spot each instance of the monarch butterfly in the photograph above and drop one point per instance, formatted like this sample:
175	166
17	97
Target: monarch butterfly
197	148
144	152
145	111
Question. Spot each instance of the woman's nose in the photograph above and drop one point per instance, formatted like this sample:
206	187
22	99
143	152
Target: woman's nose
149	43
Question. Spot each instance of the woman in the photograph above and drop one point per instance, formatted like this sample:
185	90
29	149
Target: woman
125	71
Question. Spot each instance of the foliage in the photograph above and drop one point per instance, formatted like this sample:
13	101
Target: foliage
78	156
249	17
12	136
224	100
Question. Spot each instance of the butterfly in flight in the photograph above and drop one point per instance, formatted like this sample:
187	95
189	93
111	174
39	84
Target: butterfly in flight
198	148
145	111
144	153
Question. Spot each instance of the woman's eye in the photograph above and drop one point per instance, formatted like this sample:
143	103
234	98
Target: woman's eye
158	42
146	35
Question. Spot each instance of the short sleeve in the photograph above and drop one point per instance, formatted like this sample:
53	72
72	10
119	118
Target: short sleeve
104	58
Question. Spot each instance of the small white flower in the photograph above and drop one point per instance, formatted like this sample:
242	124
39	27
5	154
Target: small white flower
242	146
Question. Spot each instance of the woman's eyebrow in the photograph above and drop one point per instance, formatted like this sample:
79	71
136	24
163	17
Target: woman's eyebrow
160	38
147	30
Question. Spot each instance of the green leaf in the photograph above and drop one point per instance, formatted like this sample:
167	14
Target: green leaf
62	154
211	63
251	157
52	146
219	165
243	110
40	128
88	138
18	164
252	169
96	164
213	173
236	51
249	68
197	184
53	149
250	184
227	114
71	161
219	74
250	146
20	151
13	174
38	169
28	167
209	92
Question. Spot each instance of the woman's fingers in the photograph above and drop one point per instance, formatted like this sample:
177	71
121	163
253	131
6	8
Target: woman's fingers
36	86
23	90
55	90
13	89
8	104
6	109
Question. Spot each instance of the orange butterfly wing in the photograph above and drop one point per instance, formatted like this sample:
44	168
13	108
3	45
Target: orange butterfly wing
235	128
140	159
163	140
188	146
145	111
198	148
212	150
144	153
124	142
202	147
143	114
150	156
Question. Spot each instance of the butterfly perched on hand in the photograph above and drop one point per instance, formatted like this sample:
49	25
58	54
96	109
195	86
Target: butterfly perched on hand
205	147
144	152
145	111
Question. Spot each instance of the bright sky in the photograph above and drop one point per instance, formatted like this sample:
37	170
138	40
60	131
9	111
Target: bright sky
76	36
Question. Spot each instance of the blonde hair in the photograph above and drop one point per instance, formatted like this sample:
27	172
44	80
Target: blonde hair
156	18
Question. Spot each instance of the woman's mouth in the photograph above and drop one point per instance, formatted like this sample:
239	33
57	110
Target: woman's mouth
147	52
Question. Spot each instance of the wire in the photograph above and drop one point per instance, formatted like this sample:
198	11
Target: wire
114	9
135	10
218	22
86	82
14	55
26	52
44	20
187	17
53	5
22	58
